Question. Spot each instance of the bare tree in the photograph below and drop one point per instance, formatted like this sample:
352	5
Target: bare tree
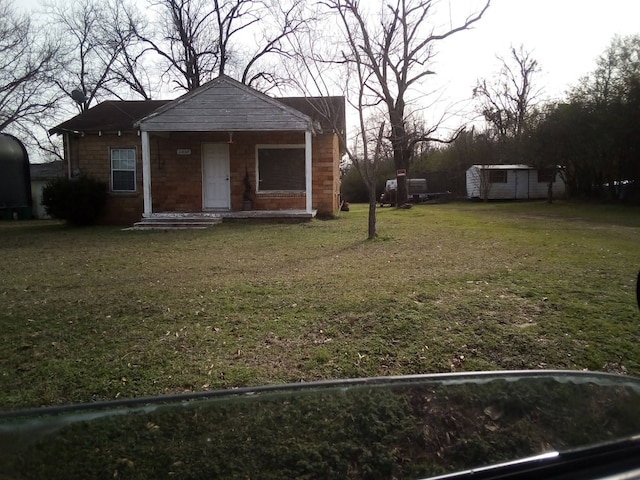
396	50
383	61
284	21
232	17
508	102
367	149
205	39
185	39
312	71
130	70
27	67
95	37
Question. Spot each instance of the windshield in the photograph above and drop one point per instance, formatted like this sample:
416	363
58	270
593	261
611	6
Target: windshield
395	427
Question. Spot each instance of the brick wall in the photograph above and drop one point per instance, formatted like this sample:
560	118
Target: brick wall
326	174
90	156
177	179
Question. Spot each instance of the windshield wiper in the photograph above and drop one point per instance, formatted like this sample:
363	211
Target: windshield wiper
613	460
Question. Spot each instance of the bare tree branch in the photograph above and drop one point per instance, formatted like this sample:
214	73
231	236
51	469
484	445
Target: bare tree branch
397	52
508	102
26	77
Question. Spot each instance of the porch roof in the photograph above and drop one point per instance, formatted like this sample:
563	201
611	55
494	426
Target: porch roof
224	104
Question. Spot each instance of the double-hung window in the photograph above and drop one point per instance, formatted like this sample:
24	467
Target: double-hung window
281	168
123	169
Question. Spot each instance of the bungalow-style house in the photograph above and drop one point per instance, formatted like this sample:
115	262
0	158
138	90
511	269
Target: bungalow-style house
222	149
512	182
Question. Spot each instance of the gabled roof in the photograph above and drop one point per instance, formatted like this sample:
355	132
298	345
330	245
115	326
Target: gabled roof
110	116
224	104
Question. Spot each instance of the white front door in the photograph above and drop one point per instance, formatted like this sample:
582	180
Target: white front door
215	176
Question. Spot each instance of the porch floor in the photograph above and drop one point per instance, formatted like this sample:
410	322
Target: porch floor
201	220
269	214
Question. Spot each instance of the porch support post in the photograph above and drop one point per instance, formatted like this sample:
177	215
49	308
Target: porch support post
308	169
146	174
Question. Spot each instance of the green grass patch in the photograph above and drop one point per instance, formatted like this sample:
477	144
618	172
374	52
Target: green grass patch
99	313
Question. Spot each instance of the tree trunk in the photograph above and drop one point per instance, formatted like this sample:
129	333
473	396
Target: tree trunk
401	154
401	158
372	213
402	191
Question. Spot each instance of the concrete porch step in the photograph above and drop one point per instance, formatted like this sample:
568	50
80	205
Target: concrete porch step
178	221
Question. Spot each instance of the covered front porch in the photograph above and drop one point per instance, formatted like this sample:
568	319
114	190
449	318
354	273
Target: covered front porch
226	151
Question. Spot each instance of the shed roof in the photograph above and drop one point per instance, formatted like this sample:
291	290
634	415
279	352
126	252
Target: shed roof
504	167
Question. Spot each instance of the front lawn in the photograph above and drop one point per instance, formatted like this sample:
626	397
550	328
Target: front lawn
100	313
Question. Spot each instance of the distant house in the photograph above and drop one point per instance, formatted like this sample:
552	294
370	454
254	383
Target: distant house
41	174
223	148
512	182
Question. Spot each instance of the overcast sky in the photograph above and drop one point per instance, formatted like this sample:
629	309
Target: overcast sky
564	36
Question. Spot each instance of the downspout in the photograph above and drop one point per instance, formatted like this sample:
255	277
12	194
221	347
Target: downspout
67	149
308	170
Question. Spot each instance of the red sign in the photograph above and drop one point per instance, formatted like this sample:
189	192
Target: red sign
401	172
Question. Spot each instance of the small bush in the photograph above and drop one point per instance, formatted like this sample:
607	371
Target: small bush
79	201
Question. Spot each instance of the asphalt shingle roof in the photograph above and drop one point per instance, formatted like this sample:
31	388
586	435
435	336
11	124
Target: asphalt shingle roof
110	116
120	115
46	171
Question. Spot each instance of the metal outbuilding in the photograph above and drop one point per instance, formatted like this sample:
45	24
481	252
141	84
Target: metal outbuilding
15	179
512	182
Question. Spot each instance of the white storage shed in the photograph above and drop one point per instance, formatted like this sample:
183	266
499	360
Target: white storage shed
512	182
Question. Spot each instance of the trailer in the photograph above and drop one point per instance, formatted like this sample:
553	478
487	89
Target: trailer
417	192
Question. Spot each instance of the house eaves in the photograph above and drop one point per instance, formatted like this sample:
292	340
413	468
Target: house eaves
110	116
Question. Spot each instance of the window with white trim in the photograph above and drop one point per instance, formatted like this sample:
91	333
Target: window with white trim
123	169
281	168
